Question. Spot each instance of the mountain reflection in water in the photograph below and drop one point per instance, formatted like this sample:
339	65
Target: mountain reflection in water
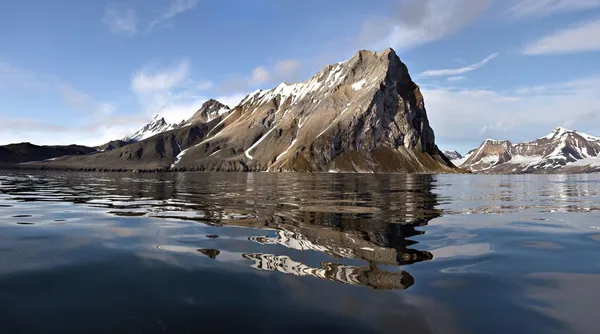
370	219
298	253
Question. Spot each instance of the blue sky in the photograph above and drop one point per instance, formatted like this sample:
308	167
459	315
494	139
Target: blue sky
88	72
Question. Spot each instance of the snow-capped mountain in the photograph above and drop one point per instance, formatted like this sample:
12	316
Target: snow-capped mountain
560	151
362	115
209	111
156	126
453	155
456	158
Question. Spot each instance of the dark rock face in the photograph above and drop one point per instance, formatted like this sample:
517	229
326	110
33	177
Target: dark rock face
362	115
562	151
27	152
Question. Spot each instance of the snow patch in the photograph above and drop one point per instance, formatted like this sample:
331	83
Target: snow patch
247	153
287	150
359	85
178	158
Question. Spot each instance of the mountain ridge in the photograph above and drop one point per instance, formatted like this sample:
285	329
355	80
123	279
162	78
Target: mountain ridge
362	115
563	151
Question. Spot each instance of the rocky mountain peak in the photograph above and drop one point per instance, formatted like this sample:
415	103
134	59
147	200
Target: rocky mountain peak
156	126
209	110
453	155
361	115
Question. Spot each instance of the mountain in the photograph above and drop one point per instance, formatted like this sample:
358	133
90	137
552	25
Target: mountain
362	115
562	151
27	152
156	126
210	110
453	155
114	145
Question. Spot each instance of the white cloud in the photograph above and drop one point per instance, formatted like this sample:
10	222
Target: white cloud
169	91
463	118
456	79
533	8
121	19
232	100
260	75
579	38
287	69
177	7
420	22
461	70
146	81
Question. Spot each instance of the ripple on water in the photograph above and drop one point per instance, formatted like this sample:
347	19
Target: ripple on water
309	242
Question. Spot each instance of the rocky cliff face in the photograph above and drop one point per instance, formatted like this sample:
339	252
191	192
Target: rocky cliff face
362	115
561	151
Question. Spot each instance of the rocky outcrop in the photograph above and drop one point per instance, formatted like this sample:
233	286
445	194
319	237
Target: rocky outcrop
27	152
362	115
562	151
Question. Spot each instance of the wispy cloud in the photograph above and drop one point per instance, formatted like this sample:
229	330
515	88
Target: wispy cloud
147	81
121	19
177	7
91	121
456	79
260	75
579	38
420	22
539	8
462	118
172	93
461	70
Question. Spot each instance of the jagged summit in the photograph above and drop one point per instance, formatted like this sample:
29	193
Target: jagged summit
209	110
156	126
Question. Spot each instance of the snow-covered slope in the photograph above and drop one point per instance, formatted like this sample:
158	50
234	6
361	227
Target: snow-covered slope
156	126
456	158
562	150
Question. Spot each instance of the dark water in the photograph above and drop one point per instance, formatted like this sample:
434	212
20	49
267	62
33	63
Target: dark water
298	253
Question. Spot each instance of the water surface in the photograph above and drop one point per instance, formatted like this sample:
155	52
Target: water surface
293	253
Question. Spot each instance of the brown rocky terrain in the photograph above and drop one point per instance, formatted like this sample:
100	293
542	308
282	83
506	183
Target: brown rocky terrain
362	115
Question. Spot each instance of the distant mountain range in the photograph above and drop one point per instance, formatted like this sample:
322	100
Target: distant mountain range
362	115
562	151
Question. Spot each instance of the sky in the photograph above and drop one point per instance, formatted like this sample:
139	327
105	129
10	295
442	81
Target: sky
88	72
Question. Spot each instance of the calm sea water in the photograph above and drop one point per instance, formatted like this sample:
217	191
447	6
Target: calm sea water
298	253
